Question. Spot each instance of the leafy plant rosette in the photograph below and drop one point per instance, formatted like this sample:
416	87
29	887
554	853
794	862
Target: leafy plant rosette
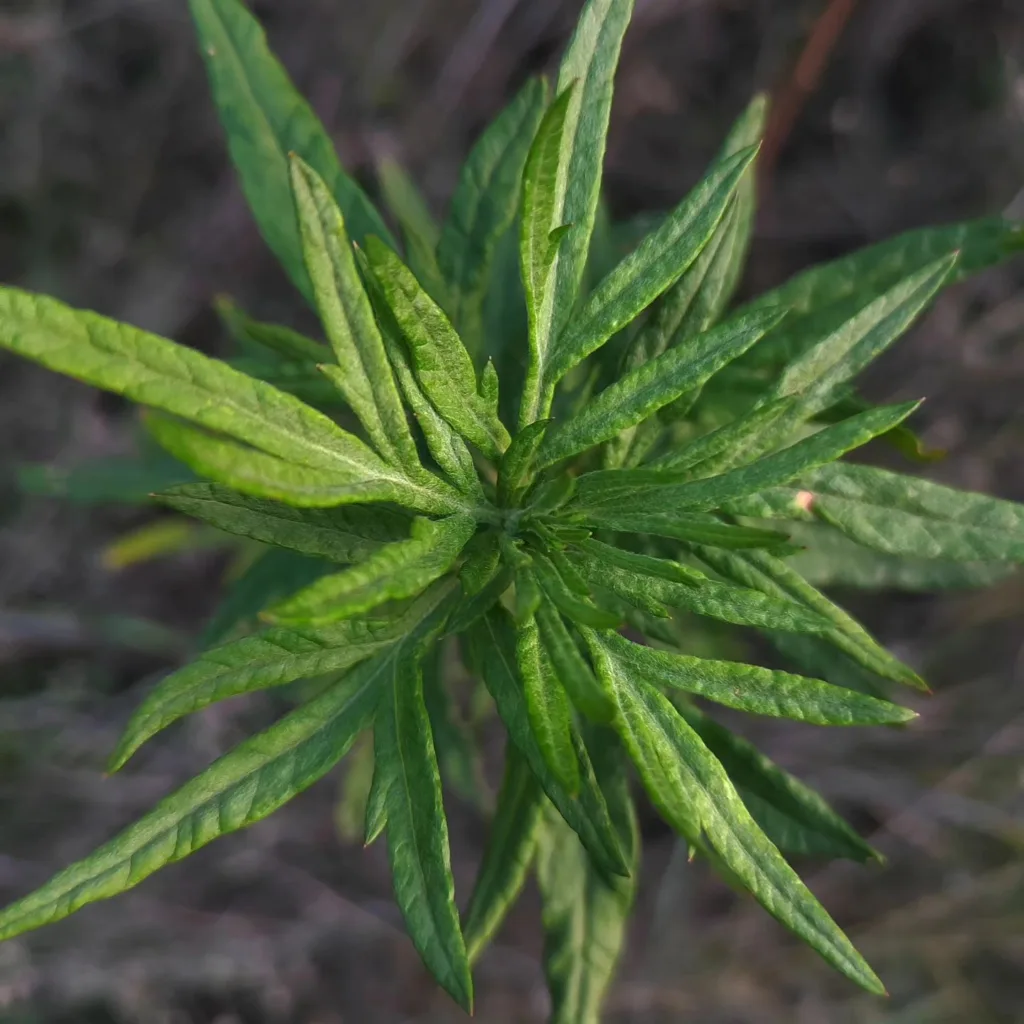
647	455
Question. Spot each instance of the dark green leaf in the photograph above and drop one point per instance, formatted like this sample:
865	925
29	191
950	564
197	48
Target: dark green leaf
265	119
283	341
583	687
693	529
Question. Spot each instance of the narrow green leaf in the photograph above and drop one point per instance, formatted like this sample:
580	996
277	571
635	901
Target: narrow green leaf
741	605
901	515
762	571
339	535
484	206
443	367
725	446
265	119
376	817
573	602
692	790
547	707
482	562
511	845
657	491
693	529
282	341
517	464
585	914
792	815
417	831
492	652
822	297
394	571
156	372
640	393
273	658
652	267
562	185
645	565
847	346
419	229
585	691
745	687
363	375
242	787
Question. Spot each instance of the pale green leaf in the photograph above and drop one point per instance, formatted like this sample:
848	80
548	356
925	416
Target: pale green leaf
338	535
547	707
773	577
417	831
791	814
492	651
741	605
640	393
759	691
362	375
652	267
585	914
484	206
394	571
511	844
692	790
443	367
265	119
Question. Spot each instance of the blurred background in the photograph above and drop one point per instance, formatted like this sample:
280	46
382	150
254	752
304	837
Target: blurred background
116	194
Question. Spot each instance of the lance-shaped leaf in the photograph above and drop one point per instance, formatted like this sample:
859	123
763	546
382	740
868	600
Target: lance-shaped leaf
547	707
517	464
901	515
656	491
743	606
445	445
443	367
585	913
265	476
484	206
363	375
284	342
376	816
243	787
339	535
693	529
760	691
651	268
792	815
848	345
156	372
511	844
272	658
640	393
822	297
419	229
392	572
539	241
583	687
265	119
561	189
417	831
725	446
645	565
762	571
570	593
492	651
690	787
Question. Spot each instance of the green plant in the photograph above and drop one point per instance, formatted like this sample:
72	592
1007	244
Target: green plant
664	460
